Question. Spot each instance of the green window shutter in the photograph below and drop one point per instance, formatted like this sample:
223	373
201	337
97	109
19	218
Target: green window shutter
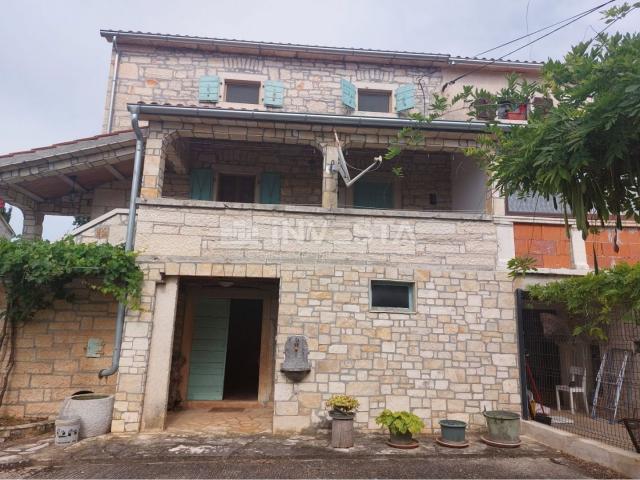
270	188
273	93
405	97
373	195
209	89
201	184
349	92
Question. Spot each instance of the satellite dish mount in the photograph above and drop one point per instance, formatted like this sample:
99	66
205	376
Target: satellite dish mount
342	168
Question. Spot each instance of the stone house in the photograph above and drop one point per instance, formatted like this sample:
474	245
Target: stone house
248	236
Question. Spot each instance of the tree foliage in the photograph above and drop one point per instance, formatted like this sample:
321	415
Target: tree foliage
585	150
596	299
35	273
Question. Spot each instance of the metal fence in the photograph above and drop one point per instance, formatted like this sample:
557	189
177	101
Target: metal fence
578	384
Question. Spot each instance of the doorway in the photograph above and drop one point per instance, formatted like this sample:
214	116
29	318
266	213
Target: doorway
227	344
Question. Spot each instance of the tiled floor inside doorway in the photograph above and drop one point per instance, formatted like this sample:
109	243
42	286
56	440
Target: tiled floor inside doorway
231	420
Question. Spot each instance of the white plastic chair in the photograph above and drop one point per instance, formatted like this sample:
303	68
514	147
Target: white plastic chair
575	387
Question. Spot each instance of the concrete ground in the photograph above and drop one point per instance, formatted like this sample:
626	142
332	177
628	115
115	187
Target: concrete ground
172	455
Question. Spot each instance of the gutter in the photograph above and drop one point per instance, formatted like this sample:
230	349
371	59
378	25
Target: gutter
114	82
311	118
128	246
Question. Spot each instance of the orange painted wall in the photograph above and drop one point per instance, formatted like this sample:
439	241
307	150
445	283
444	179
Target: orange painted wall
548	244
628	241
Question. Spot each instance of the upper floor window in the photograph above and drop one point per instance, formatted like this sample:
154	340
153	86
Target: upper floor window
242	92
374	101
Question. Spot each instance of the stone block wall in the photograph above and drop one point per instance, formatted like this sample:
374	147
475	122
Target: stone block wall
51	361
453	356
424	174
169	75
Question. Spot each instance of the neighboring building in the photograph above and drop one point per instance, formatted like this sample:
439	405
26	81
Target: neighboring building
398	283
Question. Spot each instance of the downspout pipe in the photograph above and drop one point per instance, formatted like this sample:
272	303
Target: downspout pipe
114	82
128	246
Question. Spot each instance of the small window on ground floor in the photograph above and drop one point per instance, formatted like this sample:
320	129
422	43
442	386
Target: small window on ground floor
242	92
392	295
374	101
236	188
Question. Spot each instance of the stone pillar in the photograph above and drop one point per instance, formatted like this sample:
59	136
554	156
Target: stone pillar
32	226
329	176
154	162
156	394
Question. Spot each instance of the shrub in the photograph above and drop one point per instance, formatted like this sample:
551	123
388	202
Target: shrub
400	422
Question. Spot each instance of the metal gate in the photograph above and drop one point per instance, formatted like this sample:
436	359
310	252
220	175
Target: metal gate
576	383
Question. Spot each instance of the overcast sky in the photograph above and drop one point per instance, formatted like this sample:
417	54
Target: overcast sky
54	64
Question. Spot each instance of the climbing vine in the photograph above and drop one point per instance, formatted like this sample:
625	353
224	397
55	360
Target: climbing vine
35	273
595	300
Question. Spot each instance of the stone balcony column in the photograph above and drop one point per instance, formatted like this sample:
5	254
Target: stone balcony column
329	176
32	224
154	163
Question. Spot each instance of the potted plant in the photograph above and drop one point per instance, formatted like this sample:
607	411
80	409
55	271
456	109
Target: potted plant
402	427
342	411
482	103
513	100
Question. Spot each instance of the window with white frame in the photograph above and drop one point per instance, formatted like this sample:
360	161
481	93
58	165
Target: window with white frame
392	295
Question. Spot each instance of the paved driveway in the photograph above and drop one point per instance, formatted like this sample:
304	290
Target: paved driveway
266	456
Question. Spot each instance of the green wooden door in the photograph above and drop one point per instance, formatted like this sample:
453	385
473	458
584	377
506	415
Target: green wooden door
208	349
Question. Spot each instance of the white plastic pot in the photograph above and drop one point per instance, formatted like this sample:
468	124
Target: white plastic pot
95	412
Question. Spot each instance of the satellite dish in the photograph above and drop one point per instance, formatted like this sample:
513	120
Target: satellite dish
343	169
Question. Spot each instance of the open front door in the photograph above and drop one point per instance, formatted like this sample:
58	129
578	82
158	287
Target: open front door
208	349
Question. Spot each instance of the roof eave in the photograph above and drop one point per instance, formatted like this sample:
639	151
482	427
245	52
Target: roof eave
146	110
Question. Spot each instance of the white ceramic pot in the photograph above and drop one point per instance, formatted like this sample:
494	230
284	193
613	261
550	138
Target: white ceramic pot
95	412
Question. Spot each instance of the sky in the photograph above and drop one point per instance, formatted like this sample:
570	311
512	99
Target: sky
54	64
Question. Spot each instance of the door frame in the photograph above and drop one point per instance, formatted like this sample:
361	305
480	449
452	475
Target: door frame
267	339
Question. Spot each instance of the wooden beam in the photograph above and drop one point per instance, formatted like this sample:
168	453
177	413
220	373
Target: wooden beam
72	183
27	193
114	171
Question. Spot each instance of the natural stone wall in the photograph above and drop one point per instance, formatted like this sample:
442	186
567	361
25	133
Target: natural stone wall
169	75
423	173
453	356
51	360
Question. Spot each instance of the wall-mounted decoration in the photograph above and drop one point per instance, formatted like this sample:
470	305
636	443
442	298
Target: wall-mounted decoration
296	358
95	348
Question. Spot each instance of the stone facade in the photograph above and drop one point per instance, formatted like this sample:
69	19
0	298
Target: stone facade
169	75
453	356
51	355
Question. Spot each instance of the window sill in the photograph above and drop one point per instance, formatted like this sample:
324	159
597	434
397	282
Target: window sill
391	310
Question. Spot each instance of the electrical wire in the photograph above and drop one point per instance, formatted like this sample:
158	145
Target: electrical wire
591	10
575	19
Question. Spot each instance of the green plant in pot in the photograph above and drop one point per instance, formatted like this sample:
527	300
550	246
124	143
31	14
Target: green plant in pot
342	411
402	427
